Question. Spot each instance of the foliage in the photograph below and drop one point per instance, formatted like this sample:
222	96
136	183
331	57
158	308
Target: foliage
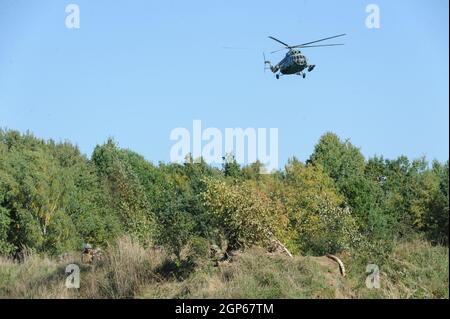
340	159
53	199
174	230
389	198
43	196
329	230
315	208
246	215
231	168
436	211
125	190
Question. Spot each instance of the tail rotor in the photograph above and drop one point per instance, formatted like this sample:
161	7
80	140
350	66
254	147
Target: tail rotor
266	63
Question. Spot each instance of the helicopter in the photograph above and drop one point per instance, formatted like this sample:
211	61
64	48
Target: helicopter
295	62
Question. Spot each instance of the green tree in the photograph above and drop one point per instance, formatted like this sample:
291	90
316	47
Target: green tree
436	223
175	229
315	207
231	167
126	191
345	164
245	214
340	159
50	196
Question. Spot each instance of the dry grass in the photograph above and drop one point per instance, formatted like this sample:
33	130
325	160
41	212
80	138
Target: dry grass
413	270
252	274
125	268
34	277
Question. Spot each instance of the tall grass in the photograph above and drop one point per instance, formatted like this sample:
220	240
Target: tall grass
413	270
125	268
34	277
253	274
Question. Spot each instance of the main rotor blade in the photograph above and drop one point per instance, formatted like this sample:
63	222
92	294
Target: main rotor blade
279	50
320	45
275	39
336	36
237	48
309	46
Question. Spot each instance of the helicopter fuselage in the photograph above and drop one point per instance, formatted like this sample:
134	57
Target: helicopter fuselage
293	63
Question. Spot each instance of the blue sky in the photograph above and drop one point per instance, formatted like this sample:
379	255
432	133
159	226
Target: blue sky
135	70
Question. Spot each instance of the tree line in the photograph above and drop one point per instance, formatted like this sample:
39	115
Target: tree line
53	199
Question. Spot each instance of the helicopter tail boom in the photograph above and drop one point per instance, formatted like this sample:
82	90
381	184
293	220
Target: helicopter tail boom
268	65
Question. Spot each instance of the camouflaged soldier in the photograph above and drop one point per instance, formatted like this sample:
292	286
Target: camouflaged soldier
88	254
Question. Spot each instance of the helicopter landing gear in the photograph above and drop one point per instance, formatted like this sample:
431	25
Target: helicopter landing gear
277	76
304	75
311	67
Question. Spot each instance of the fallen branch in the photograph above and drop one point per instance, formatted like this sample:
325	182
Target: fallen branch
340	263
279	243
283	247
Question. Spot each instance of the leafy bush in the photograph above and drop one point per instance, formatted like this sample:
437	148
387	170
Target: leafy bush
329	230
174	230
436	213
126	192
246	215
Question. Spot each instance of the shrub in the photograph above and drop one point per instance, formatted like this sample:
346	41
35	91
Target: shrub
246	215
330	229
174	230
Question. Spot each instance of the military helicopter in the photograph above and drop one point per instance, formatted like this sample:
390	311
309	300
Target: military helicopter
295	62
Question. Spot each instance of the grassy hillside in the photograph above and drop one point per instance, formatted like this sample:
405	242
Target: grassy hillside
413	270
